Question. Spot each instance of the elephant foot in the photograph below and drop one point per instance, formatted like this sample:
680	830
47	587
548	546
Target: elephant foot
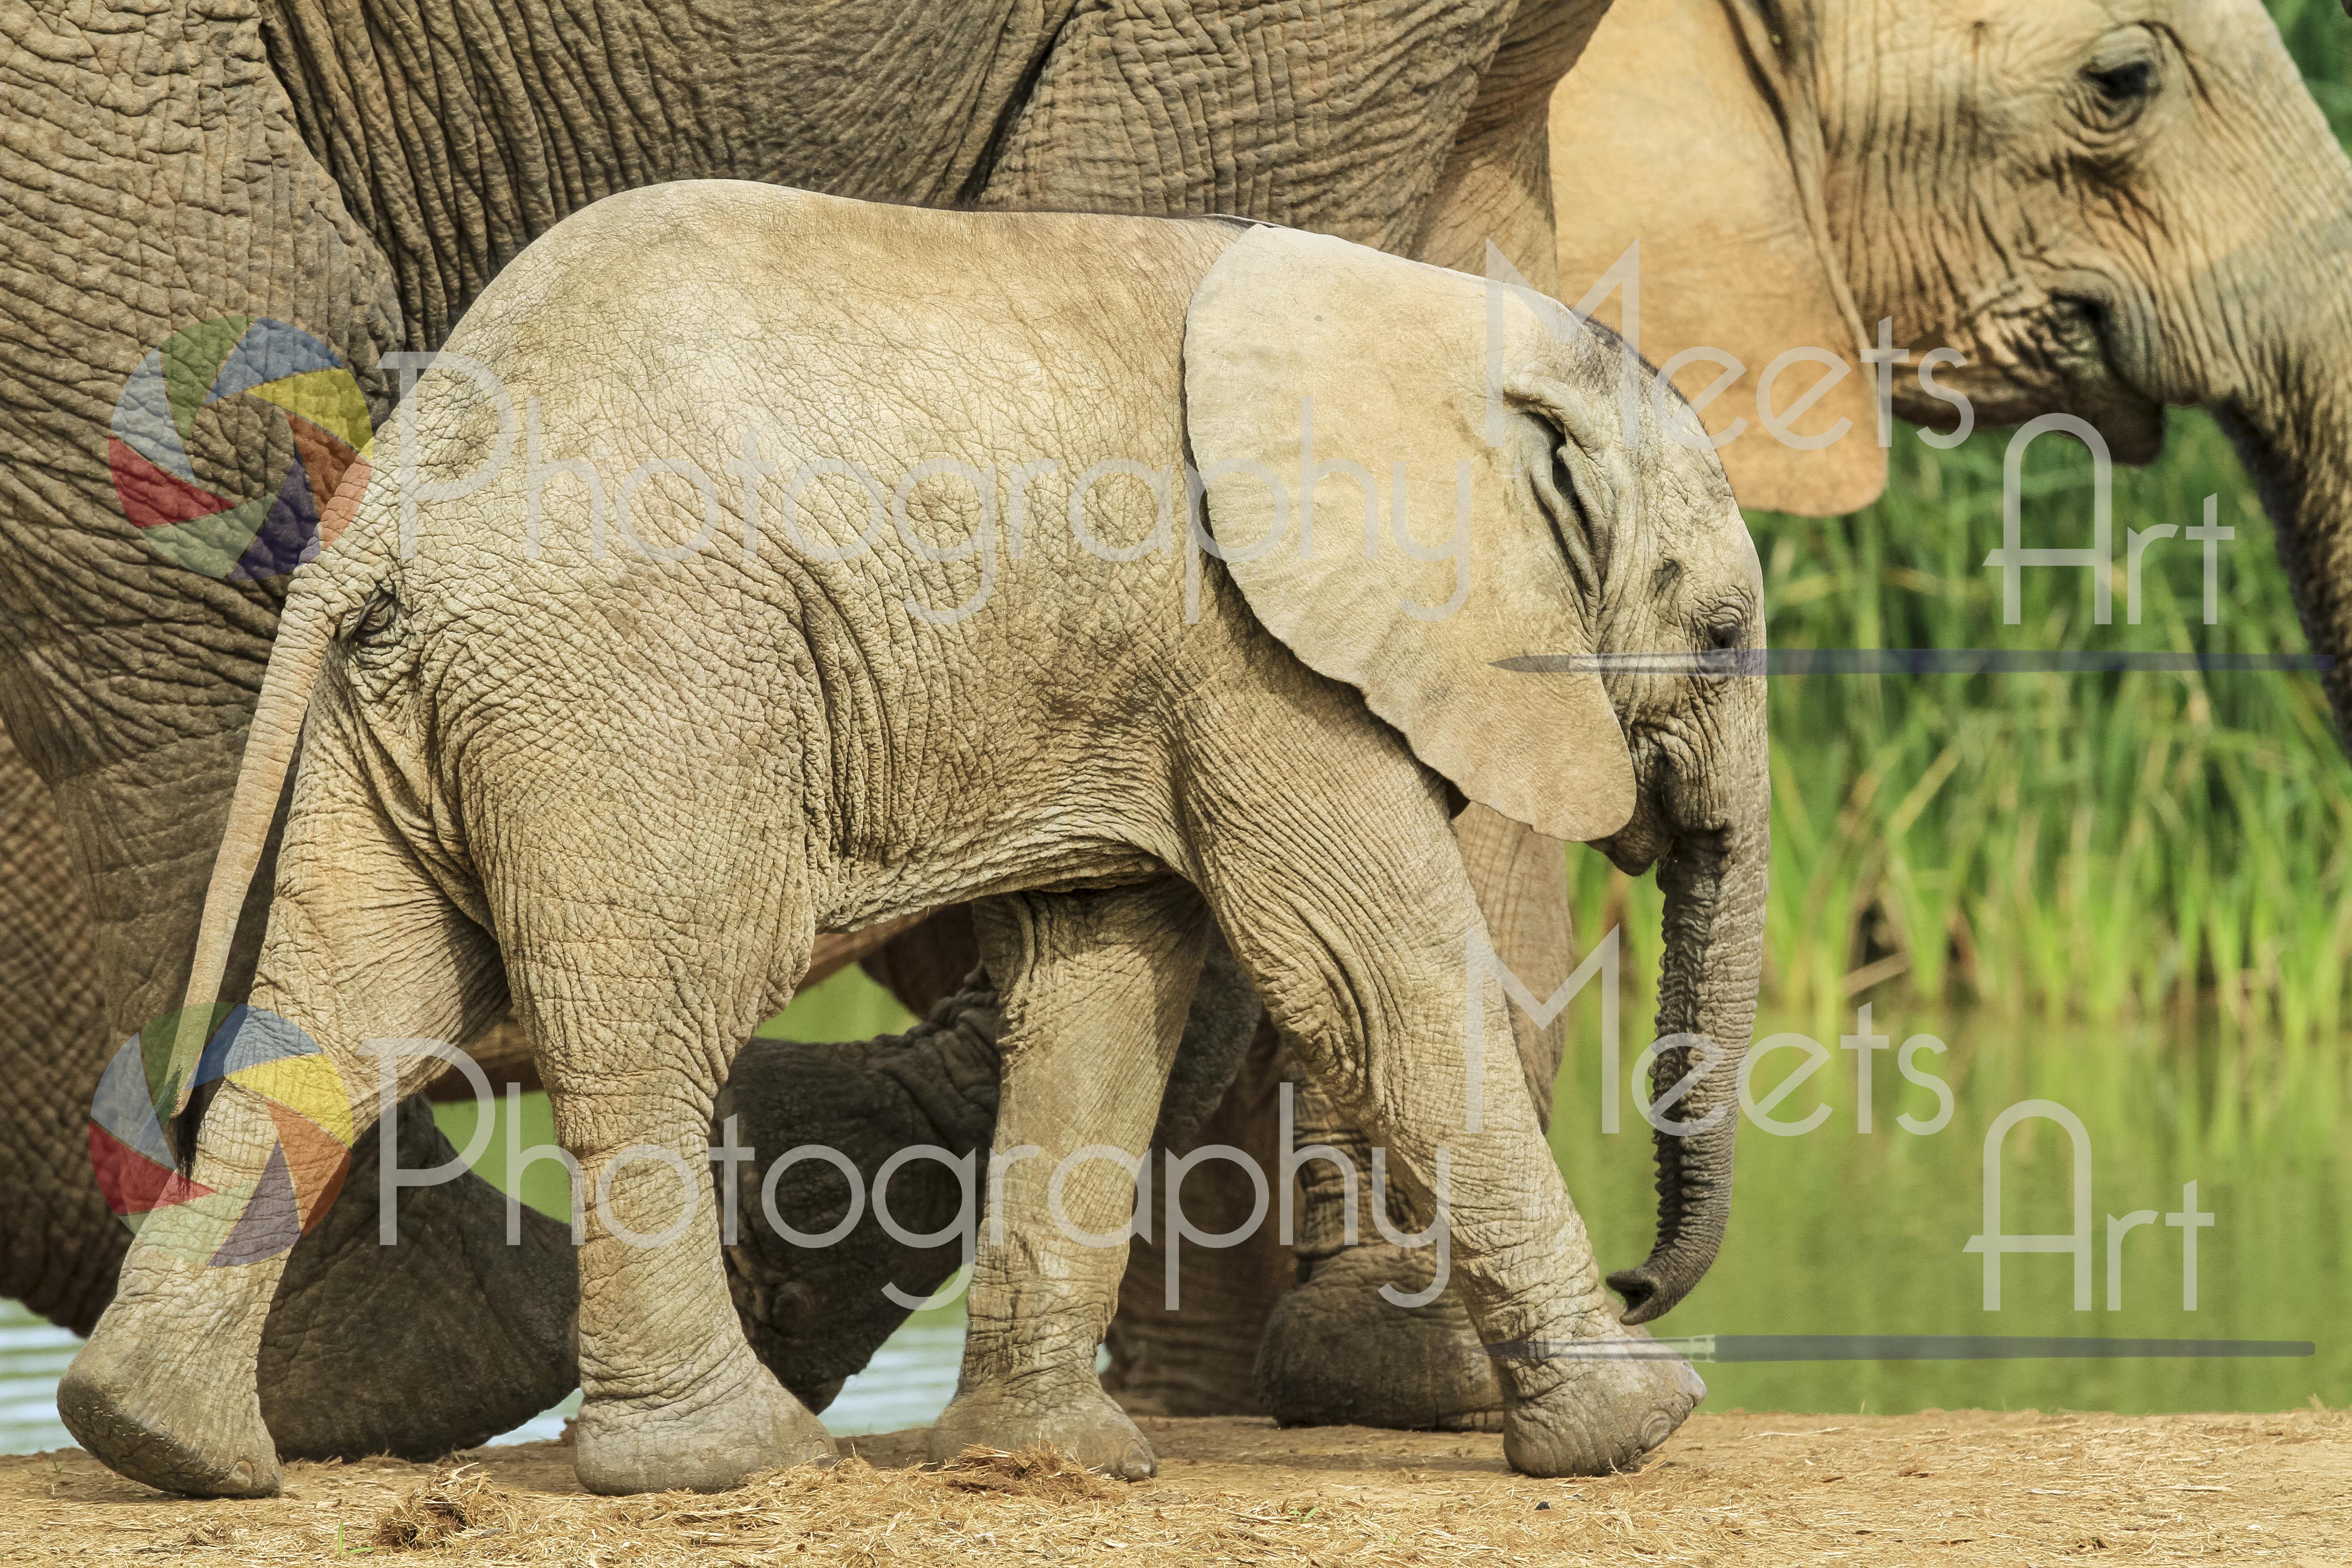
1577	1417
1336	1353
1090	1428
155	1417
698	1445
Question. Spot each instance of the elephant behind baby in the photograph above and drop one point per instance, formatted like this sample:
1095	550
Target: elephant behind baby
2071	206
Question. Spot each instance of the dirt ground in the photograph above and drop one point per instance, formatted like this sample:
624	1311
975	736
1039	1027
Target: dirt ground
1956	1488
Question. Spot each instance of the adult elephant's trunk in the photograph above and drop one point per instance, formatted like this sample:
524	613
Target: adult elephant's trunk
2295	435
2262	335
1714	885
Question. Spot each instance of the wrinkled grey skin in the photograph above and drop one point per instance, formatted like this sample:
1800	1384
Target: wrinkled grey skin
656	785
64	1252
806	1310
362	169
2215	269
812	1314
63	1260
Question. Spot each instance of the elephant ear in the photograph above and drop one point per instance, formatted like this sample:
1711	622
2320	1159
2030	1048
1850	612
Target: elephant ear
1689	125
1304	350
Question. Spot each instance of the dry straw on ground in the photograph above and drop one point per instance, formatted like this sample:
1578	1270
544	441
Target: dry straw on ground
1964	1488
457	1501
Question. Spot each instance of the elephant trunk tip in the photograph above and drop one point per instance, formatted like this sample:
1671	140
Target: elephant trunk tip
1685	1250
1648	1293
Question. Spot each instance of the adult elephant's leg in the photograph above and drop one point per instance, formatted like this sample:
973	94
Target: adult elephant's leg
816	1314
128	675
459	1331
60	1249
1335	1351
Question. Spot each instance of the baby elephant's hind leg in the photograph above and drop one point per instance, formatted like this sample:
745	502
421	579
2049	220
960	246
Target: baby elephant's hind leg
1096	987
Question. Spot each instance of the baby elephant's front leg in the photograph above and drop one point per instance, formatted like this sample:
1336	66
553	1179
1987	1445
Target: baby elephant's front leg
1095	989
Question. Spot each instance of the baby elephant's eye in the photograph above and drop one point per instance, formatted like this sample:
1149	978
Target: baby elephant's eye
1725	631
376	617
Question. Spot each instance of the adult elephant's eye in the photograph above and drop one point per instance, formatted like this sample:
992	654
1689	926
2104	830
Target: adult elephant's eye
1725	631
2124	83
2122	80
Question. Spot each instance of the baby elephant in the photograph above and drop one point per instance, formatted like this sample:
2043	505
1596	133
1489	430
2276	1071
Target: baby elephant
756	564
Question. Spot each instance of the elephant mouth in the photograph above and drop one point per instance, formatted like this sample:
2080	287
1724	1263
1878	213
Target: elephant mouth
2083	354
2112	398
1644	841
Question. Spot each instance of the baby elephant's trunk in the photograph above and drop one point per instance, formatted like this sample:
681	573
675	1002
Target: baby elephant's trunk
1714	885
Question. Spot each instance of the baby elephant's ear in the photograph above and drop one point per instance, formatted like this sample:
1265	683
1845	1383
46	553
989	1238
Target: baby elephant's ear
1312	365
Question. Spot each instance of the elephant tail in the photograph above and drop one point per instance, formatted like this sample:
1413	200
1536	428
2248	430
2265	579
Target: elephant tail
304	634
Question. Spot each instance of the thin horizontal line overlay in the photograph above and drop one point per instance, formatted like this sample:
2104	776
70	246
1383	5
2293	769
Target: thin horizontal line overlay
1890	1347
1904	661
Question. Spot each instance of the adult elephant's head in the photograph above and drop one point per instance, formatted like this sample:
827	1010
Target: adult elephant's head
2105	208
1581	656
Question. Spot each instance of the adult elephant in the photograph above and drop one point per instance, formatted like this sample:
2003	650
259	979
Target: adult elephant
360	169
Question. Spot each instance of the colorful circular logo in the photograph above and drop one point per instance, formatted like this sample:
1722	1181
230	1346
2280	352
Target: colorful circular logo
250	383
131	1150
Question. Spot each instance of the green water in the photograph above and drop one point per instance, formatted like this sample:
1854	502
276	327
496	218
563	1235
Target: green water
1840	1232
1836	1231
